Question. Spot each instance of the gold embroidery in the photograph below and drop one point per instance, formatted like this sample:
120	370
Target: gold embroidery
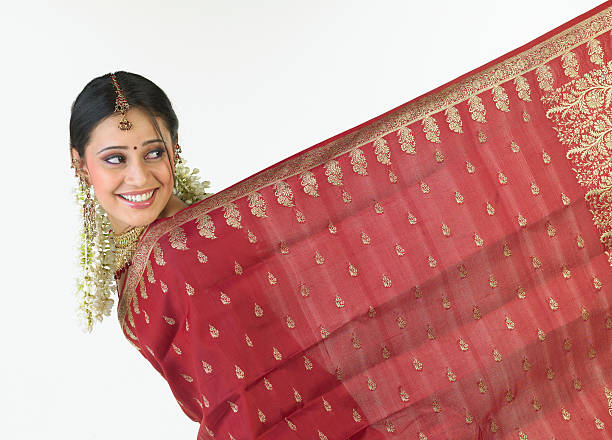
565	200
386	281
509	396
371	384
304	290
595	52
446	302
248	340
550	374
158	254
356	343
492	281
178	239
163	286
522	436
378	209
432	261
404	395
401	322
418	293
554	305
297	396
577	384
150	275
535	189
482	387
509	323
478	241
326	405
239	372
446	231
482	137
468	417
412	219
271	278
277	354
284	248
521	293
143	289
207	367
319	259
225	300
608	394
526	364
452	377
470	168
477	109
454	119
176	349
462	271
258	310
324	332
535	261
422	436
580	242
233	406
497	356
283	193
431	130
232	215
307	363
381	150
213	331
567	344
205	225
567	274
358	160
346	197
202	258
261	415
309	183
608	323
431	335
339	374
392	177
332	228
514	147
522	221
570	64
290	322
436	406
356	416
476	314
371	312
386	354
169	320
417	364
238	268
502	102
459	197
187	378
502	178
439	156
333	172
490	209
545	77
522	88
146	316
585	314
591	353
352	270
299	215
463	345
597	284
339	302
541	335
406	140
545	157
322	436
291	425
257	205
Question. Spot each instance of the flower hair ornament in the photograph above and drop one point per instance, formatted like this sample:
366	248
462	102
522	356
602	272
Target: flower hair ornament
99	249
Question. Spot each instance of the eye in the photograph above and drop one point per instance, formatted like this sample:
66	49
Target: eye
156	154
114	159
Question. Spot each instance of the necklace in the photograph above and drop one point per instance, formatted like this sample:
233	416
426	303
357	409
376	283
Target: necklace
125	246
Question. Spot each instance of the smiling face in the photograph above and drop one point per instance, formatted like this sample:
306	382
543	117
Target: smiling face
129	170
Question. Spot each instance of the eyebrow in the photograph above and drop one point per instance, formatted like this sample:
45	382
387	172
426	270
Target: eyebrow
123	147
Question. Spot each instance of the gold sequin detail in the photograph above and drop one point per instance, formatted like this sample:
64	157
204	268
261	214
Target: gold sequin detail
225	300
597	284
452	377
258	310
356	343
550	373
567	344
412	219
477	109
439	156
339	374
522	88
252	237
554	305
490	209
541	335
425	188
476	314
202	258
356	416
431	334
514	147
567	274
462	271
468	417
482	137
470	168
304	290
522	221
404	395
248	340
431	129
599	424
291	424
521	293
271	278
453	118
536	262
339	302
163	286
463	345
446	302
509	323
565	200
565	414
386	281
352	270
189	289
297	396
478	241
399	250
169	320
322	436
509	396
290	322
507	250
187	378
326	405
386	354
268	384
371	312
365	238
592	353
207	367
535	189
261	415
523	436
436	406
580	242
502	178
432	261
418	293
277	354
332	228
257	205
492	281
446	231
577	384
319	259
526	364
359	162
324	332
401	322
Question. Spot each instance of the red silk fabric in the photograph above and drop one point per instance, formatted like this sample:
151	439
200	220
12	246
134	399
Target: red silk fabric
440	272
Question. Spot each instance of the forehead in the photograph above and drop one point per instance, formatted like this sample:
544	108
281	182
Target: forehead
107	132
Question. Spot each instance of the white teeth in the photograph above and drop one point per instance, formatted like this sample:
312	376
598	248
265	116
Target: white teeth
137	198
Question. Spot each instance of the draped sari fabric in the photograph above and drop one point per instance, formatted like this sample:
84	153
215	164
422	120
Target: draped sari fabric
439	272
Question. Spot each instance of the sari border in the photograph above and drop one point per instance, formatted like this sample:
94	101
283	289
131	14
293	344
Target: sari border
505	68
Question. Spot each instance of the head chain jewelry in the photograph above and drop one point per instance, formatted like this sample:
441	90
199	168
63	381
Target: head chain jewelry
121	105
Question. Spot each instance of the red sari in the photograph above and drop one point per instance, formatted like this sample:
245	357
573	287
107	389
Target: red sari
439	272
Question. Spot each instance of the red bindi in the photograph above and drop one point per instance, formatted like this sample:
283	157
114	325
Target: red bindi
134	147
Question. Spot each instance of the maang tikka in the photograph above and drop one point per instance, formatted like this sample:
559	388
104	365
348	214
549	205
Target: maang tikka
121	105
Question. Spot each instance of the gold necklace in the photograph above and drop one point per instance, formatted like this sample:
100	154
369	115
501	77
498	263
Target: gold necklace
125	246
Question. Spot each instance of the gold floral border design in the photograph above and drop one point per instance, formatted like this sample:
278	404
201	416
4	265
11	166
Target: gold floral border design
462	90
582	115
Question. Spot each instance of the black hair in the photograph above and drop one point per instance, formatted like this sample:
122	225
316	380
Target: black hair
97	101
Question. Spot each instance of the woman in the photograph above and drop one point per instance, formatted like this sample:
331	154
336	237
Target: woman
442	271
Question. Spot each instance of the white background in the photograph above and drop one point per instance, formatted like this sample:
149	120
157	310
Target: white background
252	82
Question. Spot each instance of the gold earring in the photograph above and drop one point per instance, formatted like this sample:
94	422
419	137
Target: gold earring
89	209
177	157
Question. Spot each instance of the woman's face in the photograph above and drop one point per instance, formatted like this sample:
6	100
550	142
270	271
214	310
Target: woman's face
129	170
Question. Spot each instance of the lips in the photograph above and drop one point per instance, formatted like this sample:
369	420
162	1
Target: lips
138	199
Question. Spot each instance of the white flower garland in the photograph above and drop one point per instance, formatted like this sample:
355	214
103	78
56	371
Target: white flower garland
96	283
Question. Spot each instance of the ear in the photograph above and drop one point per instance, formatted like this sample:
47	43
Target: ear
80	167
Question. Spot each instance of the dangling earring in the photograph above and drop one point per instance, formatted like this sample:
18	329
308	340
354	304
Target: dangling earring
89	209
177	157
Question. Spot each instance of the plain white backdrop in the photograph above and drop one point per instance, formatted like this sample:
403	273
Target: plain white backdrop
252	82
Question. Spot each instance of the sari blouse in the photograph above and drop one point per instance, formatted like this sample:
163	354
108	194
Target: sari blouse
439	272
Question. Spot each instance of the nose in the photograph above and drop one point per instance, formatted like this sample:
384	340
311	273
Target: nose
136	173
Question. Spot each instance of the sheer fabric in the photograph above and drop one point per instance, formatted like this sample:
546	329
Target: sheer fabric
439	272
